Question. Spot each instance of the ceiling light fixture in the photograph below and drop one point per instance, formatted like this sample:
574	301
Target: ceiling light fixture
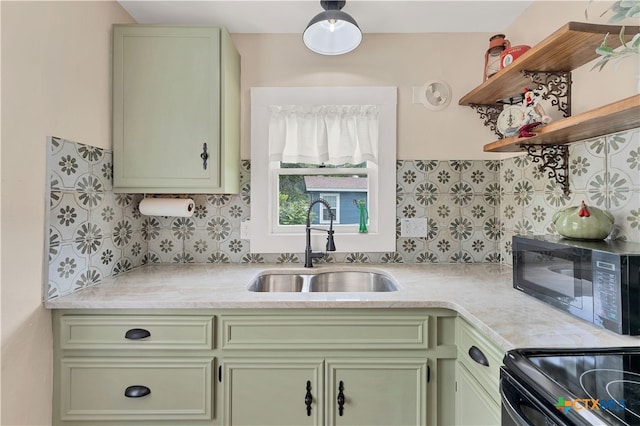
332	32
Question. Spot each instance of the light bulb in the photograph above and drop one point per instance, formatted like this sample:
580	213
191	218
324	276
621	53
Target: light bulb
332	25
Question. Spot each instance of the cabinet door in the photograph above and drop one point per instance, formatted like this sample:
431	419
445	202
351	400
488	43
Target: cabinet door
474	406
168	89
273	392
376	391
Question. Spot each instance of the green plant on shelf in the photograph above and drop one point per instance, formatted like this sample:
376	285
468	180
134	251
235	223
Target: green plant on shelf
622	9
607	53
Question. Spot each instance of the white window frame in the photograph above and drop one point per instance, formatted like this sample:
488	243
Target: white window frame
266	236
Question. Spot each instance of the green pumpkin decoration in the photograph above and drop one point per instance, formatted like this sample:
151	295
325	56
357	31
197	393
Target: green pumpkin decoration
583	223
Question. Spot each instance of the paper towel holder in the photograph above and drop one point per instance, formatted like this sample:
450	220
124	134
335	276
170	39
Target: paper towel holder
167	206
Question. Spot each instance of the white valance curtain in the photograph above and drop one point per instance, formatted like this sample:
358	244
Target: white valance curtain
329	134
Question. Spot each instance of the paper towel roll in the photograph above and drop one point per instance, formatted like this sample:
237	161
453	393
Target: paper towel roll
175	207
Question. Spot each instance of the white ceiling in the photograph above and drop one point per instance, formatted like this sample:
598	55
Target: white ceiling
292	16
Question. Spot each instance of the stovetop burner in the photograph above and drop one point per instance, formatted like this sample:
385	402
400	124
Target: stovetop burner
621	390
600	383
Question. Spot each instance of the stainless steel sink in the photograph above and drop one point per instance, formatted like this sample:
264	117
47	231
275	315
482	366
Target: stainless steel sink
351	281
323	282
278	283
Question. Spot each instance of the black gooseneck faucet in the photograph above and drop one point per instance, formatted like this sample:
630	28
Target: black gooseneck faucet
309	255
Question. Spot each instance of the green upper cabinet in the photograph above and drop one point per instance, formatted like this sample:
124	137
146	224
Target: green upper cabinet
176	110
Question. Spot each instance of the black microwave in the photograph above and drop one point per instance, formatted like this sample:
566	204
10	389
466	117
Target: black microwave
598	281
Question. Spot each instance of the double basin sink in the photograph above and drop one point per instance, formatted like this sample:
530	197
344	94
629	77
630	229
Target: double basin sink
325	282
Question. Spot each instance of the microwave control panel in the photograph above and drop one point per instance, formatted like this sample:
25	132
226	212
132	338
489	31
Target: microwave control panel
607	296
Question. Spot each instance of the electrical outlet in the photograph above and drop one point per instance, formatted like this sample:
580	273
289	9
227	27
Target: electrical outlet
414	227
245	229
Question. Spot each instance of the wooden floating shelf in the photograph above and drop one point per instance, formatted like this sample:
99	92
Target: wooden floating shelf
616	117
568	48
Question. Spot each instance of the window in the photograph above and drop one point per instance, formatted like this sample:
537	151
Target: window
282	189
325	214
301	184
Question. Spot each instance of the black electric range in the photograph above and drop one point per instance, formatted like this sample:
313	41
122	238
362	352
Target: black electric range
571	387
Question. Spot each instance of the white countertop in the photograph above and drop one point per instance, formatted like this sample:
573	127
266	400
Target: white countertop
481	293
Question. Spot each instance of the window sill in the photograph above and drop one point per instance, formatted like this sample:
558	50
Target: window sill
345	242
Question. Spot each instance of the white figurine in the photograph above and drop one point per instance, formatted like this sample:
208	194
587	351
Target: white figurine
534	114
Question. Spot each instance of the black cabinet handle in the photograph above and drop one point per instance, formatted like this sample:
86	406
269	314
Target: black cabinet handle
308	398
137	334
477	355
137	391
340	398
204	156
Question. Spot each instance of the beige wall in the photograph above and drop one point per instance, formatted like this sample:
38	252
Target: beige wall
55	81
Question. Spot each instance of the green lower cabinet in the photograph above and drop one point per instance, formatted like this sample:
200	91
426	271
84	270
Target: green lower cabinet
477	377
135	389
350	392
474	406
253	367
120	368
376	391
272	392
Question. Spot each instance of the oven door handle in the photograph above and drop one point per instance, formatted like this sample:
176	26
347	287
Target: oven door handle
509	402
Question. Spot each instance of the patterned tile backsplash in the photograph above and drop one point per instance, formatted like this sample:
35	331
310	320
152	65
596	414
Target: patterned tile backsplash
473	208
603	172
92	232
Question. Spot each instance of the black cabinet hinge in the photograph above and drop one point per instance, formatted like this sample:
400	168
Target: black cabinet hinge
428	374
220	373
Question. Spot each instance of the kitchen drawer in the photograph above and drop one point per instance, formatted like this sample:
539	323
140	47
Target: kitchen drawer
93	389
468	341
110	332
393	331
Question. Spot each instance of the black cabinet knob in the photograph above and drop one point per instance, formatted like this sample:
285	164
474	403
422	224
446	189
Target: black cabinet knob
204	156
340	398
137	391
137	334
477	355
308	398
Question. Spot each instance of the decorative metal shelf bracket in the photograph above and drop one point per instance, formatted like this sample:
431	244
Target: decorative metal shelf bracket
489	113
550	85
555	159
554	85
